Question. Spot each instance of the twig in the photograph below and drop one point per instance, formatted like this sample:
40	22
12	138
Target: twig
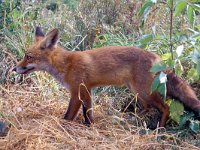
171	28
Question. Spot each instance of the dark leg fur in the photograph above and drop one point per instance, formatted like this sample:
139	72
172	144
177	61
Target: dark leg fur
87	105
87	120
159	103
73	108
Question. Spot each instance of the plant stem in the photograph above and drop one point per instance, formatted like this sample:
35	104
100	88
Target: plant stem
171	28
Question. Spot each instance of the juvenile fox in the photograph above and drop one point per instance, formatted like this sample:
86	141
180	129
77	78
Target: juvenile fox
79	72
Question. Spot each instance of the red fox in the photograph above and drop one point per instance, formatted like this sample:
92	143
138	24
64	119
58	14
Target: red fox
79	72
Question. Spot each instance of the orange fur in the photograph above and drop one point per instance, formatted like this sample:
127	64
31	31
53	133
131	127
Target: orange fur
81	71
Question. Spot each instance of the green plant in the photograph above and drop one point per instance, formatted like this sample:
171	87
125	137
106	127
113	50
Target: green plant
176	45
7	10
174	37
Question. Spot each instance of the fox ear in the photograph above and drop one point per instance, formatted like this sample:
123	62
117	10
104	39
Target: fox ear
38	34
51	39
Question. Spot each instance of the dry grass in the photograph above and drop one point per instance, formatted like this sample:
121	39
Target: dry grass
36	123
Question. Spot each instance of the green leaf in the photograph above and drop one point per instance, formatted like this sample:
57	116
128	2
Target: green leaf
196	59
196	36
178	68
169	3
158	67
196	56
185	118
176	110
155	83
198	67
193	74
166	56
15	14
145	7
170	63
196	6
145	39
199	113
194	126
162	90
198	27
180	7
191	15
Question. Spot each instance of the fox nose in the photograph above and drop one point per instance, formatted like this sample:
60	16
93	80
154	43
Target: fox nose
14	69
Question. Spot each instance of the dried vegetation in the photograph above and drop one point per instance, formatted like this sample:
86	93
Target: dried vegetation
36	123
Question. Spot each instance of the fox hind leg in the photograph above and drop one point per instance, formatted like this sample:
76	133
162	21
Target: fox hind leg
85	95
148	99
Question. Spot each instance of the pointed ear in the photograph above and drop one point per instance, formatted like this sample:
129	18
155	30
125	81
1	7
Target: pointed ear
38	34
51	39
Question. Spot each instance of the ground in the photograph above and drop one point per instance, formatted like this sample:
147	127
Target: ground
34	115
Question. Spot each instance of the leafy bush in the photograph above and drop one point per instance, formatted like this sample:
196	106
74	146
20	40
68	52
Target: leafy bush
177	46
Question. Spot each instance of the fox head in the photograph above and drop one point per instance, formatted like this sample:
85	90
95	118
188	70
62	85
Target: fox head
38	54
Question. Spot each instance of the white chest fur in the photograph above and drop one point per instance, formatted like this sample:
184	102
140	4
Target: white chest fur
59	76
